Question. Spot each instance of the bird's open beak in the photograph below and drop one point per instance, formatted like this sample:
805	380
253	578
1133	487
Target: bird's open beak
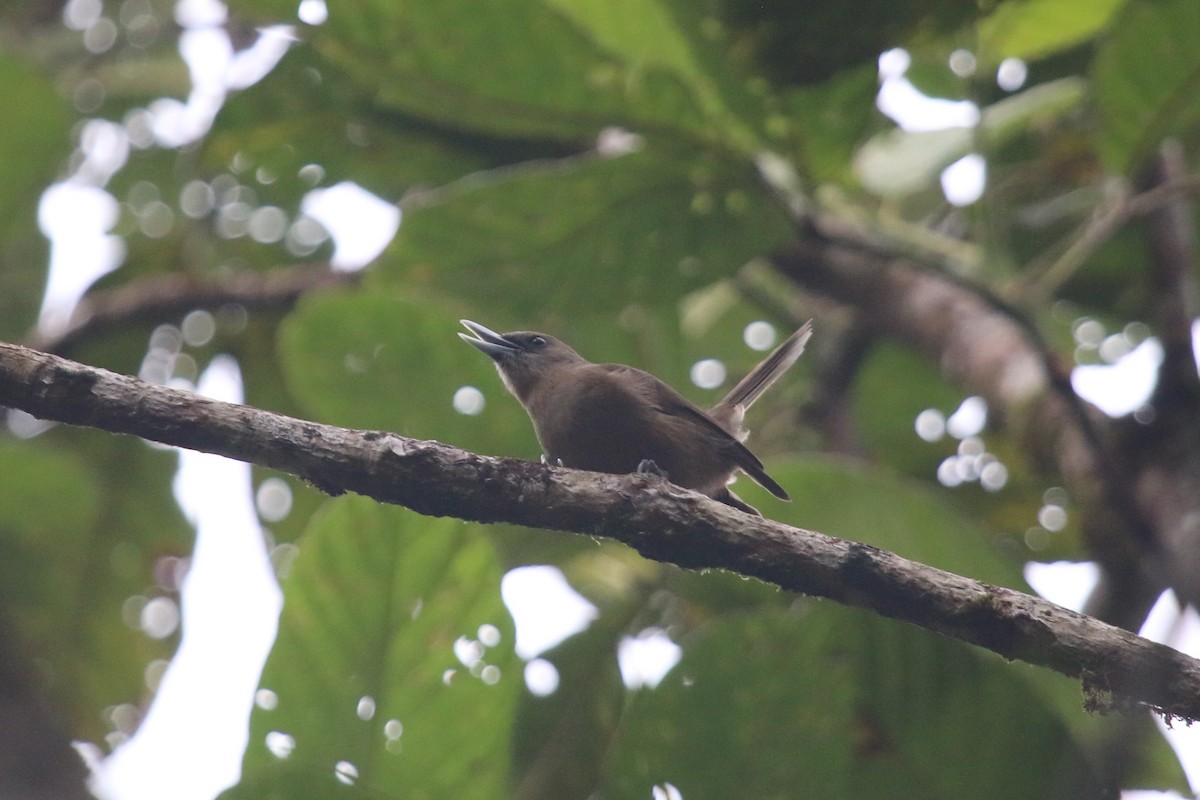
487	340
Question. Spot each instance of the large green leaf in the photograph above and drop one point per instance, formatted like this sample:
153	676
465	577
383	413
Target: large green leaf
838	699
589	236
557	70
34	142
79	540
852	500
394	665
309	112
928	707
685	40
1032	29
831	119
893	386
34	139
758	707
1147	79
375	359
48	503
836	703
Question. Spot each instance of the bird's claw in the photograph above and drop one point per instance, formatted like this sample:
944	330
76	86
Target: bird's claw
550	461
647	467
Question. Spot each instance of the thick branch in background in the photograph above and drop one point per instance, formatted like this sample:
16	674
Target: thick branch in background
659	520
991	352
155	298
1172	239
1166	447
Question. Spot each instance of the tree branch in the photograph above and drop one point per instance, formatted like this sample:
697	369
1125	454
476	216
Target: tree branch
659	520
1166	448
1172	265
991	351
1042	279
154	298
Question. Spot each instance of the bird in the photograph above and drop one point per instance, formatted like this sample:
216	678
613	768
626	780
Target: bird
619	419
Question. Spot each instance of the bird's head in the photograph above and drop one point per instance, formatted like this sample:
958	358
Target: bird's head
523	358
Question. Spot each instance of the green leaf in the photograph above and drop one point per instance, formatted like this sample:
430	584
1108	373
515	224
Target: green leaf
894	385
855	501
758	707
34	142
899	162
48	504
834	703
75	547
307	111
526	69
1033	29
675	37
45	491
592	236
831	119
394	660
925	703
375	359
34	138
1147	79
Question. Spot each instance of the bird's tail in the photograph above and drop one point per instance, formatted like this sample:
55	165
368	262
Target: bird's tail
732	408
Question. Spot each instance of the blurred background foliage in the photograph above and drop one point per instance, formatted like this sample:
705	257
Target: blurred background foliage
619	173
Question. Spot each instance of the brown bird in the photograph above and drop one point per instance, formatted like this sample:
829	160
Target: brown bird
618	419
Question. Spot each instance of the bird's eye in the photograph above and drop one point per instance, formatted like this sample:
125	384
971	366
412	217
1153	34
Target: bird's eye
537	342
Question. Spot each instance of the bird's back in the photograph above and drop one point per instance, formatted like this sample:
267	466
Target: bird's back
610	418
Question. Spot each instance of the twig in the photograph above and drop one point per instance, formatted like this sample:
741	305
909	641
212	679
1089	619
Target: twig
1040	281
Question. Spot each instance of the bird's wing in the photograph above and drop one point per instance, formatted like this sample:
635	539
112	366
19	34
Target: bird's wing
741	454
670	402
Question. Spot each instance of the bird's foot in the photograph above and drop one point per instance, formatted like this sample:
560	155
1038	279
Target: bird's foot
647	467
551	461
